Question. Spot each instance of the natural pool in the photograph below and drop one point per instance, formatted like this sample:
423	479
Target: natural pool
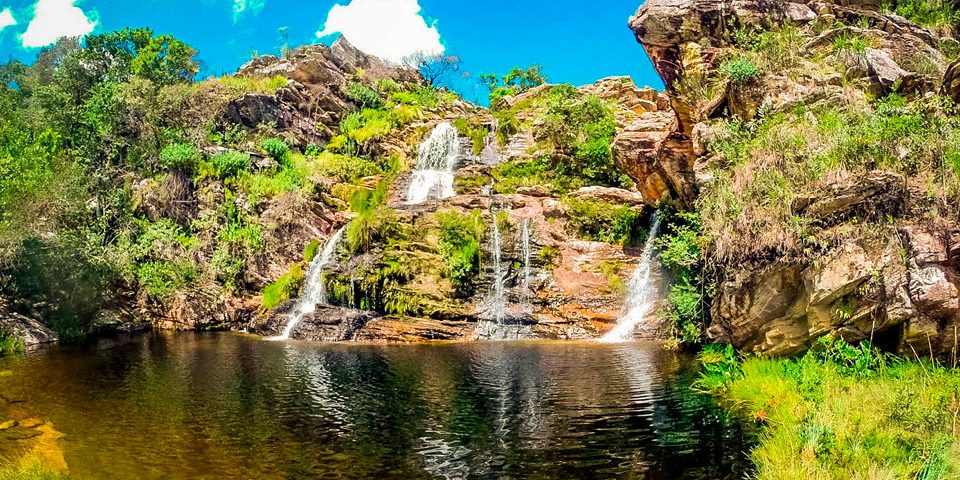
232	406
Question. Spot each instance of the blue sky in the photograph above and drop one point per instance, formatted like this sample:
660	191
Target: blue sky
575	41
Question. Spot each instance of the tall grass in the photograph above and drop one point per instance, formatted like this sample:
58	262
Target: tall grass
845	412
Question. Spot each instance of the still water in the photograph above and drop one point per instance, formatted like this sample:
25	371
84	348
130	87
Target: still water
230	406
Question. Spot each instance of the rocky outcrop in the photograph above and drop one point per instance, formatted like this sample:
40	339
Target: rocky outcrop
875	271
309	108
27	330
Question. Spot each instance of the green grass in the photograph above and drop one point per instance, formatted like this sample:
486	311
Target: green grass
284	288
844	412
29	469
10	344
605	222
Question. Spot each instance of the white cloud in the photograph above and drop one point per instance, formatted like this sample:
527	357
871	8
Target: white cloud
6	19
241	7
53	19
389	29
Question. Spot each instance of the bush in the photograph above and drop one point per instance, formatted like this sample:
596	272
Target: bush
680	253
740	70
10	344
229	164
363	95
283	289
460	245
606	222
929	13
476	132
277	149
162	279
179	156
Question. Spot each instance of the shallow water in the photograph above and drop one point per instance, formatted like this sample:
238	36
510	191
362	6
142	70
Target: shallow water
230	406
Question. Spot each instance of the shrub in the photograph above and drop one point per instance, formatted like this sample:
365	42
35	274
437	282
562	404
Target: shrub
277	149
363	95
740	70
606	222
346	168
720	367
162	279
179	156
477	133
460	239
930	13
229	164
680	253
283	289
10	344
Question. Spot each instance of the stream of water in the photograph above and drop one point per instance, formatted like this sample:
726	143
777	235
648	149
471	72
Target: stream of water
436	160
217	405
642	291
314	291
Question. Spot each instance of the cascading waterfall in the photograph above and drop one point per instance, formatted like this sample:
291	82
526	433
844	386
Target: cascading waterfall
498	304
315	292
641	291
525	247
436	160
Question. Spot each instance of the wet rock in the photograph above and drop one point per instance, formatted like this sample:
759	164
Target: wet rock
331	324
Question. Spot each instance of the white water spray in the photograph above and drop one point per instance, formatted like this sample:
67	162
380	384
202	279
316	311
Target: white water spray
498	304
436	160
641	292
315	292
525	234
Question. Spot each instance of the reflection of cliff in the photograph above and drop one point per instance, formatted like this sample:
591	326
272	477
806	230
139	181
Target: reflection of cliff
234	406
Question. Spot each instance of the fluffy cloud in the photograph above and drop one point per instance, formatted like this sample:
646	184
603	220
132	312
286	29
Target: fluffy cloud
389	29
241	7
6	19
53	19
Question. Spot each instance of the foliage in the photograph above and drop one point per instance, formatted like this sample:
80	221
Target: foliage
283	289
846	409
374	222
10	344
363	95
179	156
515	82
740	70
30	467
460	245
763	165
277	149
240	84
720	367
228	164
475	131
580	129
606	222
929	13
680	253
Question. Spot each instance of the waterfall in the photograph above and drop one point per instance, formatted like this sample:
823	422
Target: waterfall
436	160
498	302
641	291
315	292
525	247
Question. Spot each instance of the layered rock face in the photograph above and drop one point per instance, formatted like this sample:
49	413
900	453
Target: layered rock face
888	273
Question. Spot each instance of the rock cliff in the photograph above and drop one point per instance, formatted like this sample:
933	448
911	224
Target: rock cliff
863	248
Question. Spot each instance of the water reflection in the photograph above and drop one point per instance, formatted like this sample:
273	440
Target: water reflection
216	406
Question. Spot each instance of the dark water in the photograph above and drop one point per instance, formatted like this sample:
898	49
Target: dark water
228	406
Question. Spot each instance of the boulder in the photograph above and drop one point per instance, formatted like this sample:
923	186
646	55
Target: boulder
331	324
870	196
25	329
616	196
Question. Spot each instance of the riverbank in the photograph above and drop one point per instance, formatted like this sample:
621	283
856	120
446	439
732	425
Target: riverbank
844	412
